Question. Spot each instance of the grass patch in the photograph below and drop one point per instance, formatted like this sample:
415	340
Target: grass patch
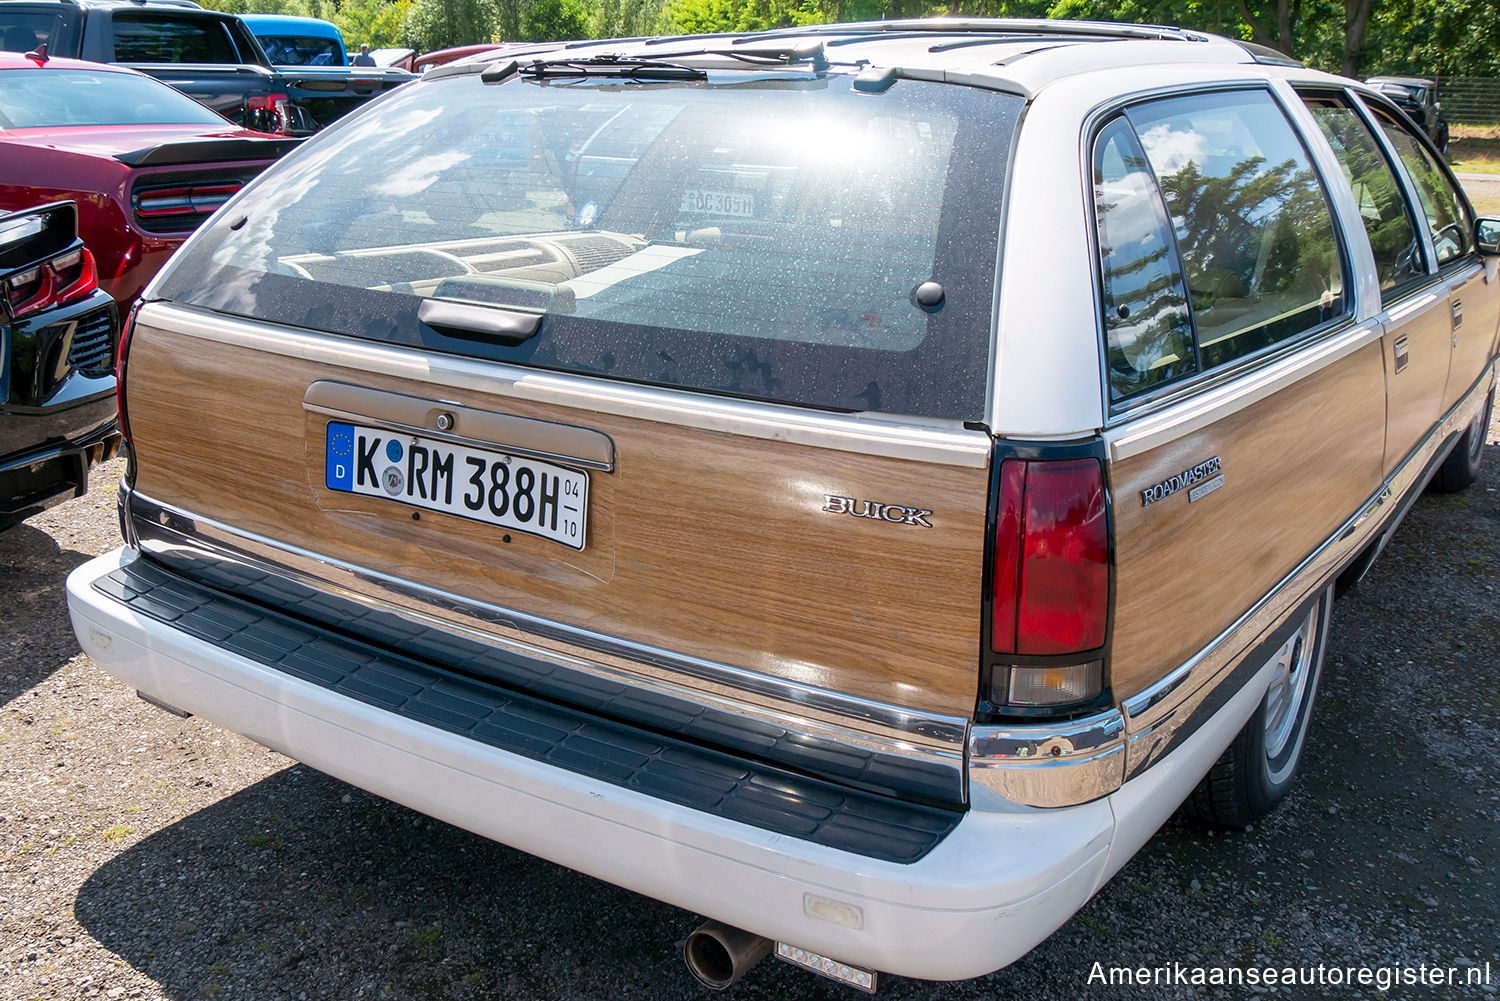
115	832
1475	148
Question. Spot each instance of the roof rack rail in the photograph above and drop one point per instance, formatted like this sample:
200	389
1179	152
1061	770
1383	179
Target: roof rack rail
1002	26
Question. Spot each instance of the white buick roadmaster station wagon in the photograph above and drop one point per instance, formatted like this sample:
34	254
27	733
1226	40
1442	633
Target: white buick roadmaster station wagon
852	482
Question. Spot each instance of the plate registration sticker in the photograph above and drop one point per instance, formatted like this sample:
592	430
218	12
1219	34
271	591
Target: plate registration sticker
511	491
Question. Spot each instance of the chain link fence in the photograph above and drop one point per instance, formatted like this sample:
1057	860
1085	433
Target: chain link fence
1470	100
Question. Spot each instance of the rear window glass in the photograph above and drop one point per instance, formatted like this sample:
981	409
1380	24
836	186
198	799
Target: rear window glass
753	234
181	40
53	98
301	50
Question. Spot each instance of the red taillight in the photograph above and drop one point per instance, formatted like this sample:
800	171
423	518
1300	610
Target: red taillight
268	112
125	332
77	275
1051	570
29	290
65	278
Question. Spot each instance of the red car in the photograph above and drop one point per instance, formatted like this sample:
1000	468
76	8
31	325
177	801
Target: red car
145	163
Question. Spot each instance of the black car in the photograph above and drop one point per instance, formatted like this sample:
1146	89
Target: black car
1418	98
58	332
208	55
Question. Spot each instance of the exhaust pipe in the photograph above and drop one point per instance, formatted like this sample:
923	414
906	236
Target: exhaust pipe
718	955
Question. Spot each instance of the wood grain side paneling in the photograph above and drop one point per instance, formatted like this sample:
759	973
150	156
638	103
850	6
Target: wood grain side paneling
703	543
1296	465
1478	303
1416	390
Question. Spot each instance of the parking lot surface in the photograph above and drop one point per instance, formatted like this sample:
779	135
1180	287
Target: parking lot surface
144	856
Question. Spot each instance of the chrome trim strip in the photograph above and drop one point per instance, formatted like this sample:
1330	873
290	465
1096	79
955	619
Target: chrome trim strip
1134	437
942	442
822	716
1401	312
1168	712
1050	765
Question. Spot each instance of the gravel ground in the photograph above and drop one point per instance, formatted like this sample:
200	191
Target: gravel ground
143	856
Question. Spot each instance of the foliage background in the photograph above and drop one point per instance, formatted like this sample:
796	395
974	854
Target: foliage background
1359	37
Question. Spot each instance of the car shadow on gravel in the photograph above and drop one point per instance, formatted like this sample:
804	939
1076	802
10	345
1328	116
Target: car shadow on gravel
35	637
303	887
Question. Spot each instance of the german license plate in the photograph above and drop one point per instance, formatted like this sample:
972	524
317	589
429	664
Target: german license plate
511	491
735	204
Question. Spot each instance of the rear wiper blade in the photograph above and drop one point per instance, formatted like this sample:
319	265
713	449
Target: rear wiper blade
600	65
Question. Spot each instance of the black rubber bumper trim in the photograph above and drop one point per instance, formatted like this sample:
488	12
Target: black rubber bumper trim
666	768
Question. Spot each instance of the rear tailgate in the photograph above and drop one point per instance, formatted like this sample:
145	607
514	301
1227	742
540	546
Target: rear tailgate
713	537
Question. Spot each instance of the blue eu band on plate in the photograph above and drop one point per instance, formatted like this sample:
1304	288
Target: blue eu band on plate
511	491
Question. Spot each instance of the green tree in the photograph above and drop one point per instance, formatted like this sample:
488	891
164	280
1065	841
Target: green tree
552	20
381	23
441	24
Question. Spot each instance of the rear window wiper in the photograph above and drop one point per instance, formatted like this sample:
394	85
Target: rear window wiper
600	65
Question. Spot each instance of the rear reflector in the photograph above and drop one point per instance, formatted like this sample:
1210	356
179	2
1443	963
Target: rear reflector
1051	563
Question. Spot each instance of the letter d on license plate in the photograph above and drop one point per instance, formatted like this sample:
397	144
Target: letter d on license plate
510	491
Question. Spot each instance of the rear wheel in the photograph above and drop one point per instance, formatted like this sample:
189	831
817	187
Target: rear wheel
1256	771
1462	465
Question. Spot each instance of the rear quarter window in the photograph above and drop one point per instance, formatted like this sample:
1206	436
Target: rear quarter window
755	234
1251	231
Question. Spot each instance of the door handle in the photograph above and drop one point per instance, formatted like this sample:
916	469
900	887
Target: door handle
1457	308
1403	358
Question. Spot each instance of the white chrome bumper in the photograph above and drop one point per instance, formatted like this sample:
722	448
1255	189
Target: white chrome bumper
1002	881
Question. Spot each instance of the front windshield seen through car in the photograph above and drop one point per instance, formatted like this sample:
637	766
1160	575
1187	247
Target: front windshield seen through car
773	211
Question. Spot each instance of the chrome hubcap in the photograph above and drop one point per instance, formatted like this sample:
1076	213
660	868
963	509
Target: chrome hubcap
1289	687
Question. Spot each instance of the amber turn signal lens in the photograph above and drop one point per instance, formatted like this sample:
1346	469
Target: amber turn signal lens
1055	686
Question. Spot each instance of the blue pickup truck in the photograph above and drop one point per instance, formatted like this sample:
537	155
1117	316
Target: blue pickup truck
298	41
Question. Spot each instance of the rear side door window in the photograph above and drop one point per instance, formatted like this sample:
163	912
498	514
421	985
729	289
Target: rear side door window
1447	214
172	40
1387	217
23	31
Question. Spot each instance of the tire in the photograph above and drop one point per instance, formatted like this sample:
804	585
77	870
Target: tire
1256	771
1441	139
1461	468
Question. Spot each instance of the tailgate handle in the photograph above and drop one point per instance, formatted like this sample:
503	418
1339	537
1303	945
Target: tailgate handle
507	326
